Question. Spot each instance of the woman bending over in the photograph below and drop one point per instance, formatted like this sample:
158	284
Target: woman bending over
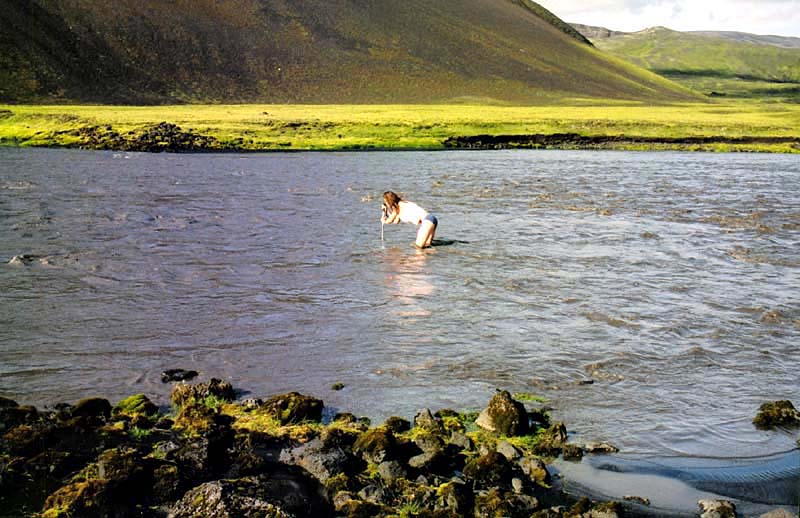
397	210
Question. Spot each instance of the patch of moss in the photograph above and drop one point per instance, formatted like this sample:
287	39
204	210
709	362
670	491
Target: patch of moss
527	397
195	420
377	442
213	401
138	404
263	421
336	483
527	443
453	423
75	499
139	434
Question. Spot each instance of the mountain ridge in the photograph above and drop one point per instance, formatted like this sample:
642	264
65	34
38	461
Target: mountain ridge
718	63
592	32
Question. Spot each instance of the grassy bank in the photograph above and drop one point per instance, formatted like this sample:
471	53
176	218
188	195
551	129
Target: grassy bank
344	127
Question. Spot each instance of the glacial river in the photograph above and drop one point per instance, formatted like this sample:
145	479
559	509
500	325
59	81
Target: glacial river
652	299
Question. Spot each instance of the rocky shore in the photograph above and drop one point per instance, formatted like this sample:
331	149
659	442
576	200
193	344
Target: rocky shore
576	141
211	456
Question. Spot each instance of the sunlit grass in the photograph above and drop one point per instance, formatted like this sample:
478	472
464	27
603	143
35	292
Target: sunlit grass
342	127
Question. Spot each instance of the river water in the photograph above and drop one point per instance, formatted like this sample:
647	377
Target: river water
653	299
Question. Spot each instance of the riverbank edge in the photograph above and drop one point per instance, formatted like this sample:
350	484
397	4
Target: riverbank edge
209	453
728	127
540	141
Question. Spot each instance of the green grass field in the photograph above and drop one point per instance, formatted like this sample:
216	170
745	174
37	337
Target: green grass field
345	127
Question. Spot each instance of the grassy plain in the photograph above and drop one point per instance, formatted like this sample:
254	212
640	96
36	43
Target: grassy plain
345	127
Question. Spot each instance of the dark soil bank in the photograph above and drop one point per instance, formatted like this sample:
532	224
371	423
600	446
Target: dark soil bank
574	140
213	457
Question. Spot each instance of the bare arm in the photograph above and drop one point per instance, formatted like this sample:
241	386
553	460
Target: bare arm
390	218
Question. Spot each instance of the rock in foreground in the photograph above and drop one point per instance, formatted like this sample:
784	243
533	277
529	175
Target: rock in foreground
212	457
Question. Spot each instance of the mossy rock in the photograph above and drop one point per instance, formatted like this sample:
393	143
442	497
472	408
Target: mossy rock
397	424
351	421
294	408
376	445
455	497
572	452
334	436
551	440
427	421
535	470
86	498
7	403
228	498
337	483
452	421
137	405
505	416
777	413
195	420
606	510
12	416
166	483
428	441
490	470
92	407
23	440
120	466
583	505
496	503
360	509
216	390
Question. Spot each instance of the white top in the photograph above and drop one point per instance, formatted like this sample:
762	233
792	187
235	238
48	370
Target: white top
411	213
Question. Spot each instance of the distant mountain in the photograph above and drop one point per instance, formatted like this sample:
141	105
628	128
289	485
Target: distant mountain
304	51
717	63
743	37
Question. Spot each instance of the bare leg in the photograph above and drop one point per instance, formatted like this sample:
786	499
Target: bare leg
425	234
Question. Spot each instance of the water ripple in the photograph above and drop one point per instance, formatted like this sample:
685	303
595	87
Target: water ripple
650	297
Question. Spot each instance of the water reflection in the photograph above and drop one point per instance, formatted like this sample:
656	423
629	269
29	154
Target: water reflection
407	281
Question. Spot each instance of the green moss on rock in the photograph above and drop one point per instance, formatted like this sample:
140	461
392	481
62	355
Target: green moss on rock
195	420
777	413
490	470
215	390
294	408
504	415
77	499
376	445
551	440
137	405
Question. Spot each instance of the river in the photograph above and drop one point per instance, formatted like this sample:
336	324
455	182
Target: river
652	299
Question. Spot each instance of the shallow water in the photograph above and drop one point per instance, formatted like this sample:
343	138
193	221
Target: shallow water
670	280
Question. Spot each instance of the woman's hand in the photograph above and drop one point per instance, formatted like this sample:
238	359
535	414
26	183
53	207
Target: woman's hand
391	218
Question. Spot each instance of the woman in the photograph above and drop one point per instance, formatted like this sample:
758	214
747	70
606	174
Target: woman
396	210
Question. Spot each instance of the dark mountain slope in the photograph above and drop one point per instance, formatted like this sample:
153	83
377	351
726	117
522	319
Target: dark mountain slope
303	51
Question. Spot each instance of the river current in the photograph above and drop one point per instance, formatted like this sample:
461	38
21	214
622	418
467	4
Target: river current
652	299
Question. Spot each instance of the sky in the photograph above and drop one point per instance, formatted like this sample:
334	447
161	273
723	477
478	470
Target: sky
778	17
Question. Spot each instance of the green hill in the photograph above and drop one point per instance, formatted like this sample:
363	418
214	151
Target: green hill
304	51
715	63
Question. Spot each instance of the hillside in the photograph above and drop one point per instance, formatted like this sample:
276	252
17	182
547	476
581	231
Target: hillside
730	64
304	51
